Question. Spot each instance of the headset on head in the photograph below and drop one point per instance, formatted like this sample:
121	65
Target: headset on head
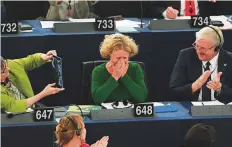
217	48
75	124
211	130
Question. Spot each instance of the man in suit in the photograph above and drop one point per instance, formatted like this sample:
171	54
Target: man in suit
204	71
172	9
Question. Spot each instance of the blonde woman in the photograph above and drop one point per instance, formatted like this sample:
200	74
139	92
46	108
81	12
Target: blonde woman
71	132
118	79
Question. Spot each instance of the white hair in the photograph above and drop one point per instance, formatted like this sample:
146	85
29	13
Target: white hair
209	33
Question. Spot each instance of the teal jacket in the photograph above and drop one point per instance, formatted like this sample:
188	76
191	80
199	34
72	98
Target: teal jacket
18	76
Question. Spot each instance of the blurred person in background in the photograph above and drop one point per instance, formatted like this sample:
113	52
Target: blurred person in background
62	10
173	9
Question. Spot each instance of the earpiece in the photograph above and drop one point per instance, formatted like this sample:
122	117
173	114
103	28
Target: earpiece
217	48
78	130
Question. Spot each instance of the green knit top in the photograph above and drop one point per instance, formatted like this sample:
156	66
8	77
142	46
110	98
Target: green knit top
130	87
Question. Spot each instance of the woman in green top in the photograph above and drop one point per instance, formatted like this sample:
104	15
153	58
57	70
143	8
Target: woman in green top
16	91
118	79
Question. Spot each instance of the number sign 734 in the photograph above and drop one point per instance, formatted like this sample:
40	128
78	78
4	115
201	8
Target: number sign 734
199	21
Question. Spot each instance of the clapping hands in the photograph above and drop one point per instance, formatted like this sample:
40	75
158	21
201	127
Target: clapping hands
101	143
213	84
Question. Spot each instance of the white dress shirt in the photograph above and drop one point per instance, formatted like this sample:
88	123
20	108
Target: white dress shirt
182	8
214	69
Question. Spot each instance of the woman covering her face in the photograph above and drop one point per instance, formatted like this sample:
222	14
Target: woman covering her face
118	79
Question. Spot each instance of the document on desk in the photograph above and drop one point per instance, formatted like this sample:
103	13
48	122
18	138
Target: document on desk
229	103
58	119
82	20
127	23
48	24
208	103
212	103
180	17
224	20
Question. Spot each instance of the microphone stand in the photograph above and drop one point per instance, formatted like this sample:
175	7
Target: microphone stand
141	16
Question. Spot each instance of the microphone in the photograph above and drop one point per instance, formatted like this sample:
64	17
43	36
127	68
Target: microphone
13	114
141	14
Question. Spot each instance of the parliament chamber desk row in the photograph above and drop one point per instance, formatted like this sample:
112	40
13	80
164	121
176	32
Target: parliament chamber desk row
166	129
157	49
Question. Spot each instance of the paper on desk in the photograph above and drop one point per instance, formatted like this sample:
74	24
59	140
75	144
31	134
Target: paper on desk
126	29
207	103
58	119
223	19
180	17
48	24
127	23
212	103
229	103
82	20
197	103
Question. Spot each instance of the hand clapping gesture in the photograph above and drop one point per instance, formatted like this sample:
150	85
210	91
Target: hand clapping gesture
101	143
201	81
215	84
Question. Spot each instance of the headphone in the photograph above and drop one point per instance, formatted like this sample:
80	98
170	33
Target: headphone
217	48
75	124
210	129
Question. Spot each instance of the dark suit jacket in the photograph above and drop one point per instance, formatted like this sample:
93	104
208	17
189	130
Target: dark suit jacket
205	7
188	68
124	8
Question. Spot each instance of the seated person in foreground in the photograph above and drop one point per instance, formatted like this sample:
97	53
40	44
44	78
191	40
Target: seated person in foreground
71	132
16	91
200	135
204	71
118	79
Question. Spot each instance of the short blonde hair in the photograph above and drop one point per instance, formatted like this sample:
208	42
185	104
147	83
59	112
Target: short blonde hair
210	34
116	42
65	130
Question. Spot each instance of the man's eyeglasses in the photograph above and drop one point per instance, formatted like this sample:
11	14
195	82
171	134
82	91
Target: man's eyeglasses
197	47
